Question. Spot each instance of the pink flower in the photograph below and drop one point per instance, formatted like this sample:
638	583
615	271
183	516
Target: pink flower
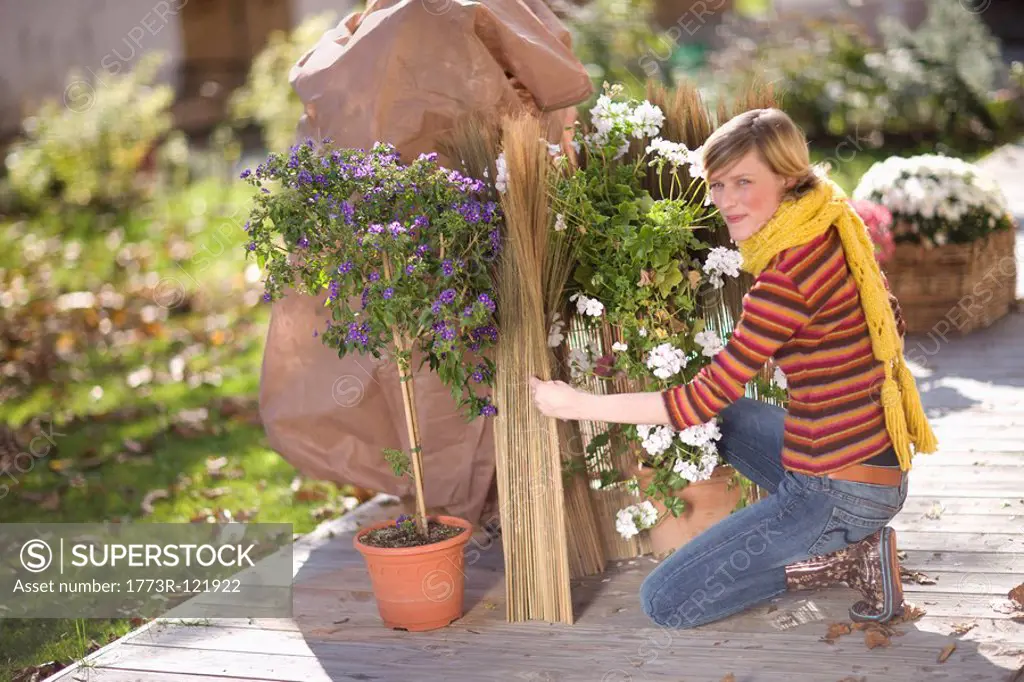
878	220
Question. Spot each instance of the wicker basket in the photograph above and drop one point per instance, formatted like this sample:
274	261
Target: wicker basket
955	287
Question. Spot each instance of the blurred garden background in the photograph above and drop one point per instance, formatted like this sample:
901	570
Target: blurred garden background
131	325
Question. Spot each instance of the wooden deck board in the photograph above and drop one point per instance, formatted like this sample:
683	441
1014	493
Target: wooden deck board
962	526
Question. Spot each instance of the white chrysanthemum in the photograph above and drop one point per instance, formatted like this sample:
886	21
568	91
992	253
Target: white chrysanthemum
647	119
666	360
931	186
560	223
779	378
501	168
619	347
722	261
587	306
710	343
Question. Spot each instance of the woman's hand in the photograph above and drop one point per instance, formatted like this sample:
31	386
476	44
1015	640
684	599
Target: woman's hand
558	399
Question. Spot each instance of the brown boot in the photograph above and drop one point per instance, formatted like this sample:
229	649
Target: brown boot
870	566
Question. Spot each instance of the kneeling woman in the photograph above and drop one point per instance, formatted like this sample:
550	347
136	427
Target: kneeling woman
835	460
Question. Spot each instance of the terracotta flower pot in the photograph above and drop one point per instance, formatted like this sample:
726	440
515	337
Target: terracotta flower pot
418	588
707	503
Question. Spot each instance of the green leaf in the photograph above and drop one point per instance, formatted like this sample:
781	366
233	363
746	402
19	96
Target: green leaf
672	279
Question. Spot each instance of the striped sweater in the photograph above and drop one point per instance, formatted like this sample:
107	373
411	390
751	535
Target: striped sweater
804	311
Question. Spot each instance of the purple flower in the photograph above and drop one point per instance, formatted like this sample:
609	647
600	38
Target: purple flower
488	410
478	376
303	242
348	210
374	276
389	292
305	177
334	290
467	311
409	269
315	333
345	268
447	296
365	297
396	228
431	157
436	308
420	222
486	300
266	297
252	246
264	190
422	249
247	226
246	173
375	228
447	267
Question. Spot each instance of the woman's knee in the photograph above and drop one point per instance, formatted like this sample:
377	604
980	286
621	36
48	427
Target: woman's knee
665	602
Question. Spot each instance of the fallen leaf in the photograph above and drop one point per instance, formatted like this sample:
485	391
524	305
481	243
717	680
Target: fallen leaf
215	464
489	605
911	612
875	638
1017	596
729	678
310	494
916	577
59	465
935	512
151	497
963	628
214	493
835	631
48	501
946	651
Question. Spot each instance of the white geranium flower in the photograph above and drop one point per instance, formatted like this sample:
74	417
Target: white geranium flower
666	360
555	335
655	439
501	181
619	347
560	223
779	378
701	435
647	120
642	332
710	342
675	153
587	306
630	520
722	261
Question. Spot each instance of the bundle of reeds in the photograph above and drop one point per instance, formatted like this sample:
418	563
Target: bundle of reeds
527	449
475	142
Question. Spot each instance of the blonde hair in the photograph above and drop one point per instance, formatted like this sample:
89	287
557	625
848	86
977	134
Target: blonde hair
776	138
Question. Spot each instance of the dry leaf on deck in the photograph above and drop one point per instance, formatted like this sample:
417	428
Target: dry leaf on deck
873	638
916	577
1017	596
729	678
946	651
151	497
835	631
963	628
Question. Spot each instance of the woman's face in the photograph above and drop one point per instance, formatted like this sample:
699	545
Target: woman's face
747	194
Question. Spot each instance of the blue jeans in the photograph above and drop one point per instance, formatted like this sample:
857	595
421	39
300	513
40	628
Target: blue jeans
740	562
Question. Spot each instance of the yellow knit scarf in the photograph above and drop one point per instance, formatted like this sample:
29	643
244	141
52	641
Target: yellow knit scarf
796	222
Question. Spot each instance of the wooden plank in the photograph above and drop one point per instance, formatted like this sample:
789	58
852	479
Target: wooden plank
922	504
955	523
964	562
505	654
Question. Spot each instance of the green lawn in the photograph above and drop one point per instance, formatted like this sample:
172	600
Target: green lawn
151	409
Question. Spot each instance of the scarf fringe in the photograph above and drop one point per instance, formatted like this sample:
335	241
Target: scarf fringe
797	222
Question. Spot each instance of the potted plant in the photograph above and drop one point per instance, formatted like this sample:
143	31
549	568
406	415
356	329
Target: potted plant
643	270
404	255
952	266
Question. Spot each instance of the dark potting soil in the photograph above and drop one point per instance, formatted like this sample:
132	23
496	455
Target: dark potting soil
394	536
